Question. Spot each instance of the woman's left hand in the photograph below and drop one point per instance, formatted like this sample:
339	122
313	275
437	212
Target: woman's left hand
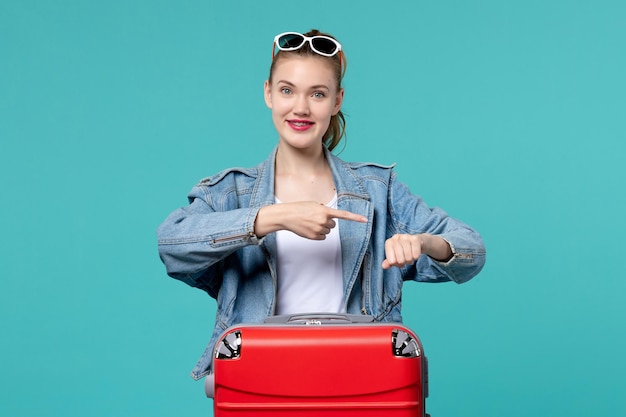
403	249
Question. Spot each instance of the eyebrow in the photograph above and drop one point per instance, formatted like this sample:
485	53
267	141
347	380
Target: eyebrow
313	87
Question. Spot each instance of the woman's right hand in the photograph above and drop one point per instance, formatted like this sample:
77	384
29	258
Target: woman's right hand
308	219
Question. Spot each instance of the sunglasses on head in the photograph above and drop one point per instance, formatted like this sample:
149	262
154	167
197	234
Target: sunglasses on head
320	44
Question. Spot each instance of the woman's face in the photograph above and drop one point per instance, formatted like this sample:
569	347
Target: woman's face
303	96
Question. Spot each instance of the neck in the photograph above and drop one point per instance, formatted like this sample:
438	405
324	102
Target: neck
300	161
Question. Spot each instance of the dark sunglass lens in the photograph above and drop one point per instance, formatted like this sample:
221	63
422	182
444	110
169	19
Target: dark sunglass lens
290	41
324	45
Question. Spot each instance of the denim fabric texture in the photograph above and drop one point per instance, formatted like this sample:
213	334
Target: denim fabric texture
210	244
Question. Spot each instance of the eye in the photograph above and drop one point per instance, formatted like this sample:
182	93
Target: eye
285	90
319	94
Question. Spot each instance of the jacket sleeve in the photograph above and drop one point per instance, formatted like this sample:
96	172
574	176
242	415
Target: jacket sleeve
410	214
194	238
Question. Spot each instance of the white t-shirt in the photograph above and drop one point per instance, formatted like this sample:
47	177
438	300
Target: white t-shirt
310	278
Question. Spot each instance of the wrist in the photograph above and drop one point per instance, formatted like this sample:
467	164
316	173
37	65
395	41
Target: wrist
435	247
426	244
265	222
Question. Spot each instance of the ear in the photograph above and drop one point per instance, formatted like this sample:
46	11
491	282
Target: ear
267	93
338	102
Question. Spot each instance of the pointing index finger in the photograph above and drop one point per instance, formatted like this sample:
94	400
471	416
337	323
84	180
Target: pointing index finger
347	215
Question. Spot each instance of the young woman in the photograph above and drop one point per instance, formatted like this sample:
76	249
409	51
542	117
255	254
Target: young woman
305	231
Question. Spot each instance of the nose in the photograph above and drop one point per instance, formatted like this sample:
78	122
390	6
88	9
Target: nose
301	106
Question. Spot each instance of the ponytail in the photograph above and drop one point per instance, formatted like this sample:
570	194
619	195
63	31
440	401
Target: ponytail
336	131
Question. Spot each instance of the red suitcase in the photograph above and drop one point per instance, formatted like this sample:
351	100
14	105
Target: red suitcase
319	365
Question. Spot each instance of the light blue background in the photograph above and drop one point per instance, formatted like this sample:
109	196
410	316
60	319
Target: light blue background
508	114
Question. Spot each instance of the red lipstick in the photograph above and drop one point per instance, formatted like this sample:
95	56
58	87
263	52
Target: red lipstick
300	125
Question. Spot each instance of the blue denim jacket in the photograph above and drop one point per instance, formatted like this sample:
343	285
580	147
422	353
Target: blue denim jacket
210	244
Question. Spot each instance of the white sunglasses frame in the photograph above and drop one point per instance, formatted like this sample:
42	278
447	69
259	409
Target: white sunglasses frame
306	39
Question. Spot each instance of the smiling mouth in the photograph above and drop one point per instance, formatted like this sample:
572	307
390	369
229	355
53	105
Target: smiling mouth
300	123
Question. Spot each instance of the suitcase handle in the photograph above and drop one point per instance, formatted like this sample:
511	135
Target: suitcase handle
318	318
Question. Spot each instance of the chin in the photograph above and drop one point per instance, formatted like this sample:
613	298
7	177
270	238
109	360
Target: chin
301	143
